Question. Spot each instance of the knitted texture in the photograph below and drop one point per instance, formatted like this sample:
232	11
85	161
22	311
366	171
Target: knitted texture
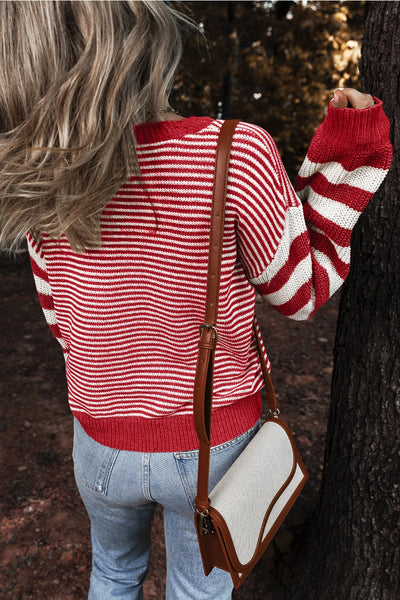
128	314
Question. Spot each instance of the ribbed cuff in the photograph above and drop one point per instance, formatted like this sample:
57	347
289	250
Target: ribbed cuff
368	126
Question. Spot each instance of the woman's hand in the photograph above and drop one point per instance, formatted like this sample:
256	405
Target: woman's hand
348	97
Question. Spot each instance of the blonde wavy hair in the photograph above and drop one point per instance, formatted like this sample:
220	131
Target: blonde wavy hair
74	79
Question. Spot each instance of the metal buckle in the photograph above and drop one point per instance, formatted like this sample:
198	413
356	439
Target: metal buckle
274	413
206	523
214	329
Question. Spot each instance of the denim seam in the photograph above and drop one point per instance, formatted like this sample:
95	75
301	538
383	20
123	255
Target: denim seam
89	486
146	476
185	482
108	470
215	449
102	481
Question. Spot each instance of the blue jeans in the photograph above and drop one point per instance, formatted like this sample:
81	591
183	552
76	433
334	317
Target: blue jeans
121	490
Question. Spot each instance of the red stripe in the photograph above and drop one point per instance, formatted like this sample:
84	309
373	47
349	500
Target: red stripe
298	301
321	284
339	235
38	271
299	249
46	301
55	331
352	161
301	298
351	196
323	244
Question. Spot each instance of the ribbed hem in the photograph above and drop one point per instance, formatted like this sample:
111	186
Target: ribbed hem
368	126
171	434
159	131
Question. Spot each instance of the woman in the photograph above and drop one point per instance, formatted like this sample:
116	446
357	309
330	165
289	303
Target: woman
114	190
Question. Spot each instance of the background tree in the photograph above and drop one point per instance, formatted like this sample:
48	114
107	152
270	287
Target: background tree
354	548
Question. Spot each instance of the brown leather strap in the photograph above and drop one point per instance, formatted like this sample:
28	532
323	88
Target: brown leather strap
203	388
272	402
208	333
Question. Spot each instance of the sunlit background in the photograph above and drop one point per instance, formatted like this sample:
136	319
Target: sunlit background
270	63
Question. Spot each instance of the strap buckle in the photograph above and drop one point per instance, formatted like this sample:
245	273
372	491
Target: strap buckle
206	526
214	330
274	412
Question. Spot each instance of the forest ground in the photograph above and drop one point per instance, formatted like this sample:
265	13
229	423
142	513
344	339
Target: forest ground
44	530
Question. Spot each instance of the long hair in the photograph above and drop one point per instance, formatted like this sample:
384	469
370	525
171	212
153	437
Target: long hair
74	79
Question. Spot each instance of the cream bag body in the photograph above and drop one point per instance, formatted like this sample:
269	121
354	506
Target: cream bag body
252	499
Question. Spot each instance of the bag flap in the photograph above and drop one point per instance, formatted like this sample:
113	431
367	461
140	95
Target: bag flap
256	490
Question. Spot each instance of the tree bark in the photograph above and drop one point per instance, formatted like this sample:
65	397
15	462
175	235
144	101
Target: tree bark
353	550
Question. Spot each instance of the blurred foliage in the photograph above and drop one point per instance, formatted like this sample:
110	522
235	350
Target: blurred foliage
271	63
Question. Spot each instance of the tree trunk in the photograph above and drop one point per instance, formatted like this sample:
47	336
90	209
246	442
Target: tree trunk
229	83
353	551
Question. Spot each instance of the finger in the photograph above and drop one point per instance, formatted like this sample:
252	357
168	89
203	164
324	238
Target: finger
339	99
344	97
357	99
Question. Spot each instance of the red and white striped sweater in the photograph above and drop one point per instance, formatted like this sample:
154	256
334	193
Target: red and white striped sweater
127	315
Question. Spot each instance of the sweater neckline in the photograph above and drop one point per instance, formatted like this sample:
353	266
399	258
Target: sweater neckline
159	131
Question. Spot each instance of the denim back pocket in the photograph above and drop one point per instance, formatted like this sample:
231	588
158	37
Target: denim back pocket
221	458
93	462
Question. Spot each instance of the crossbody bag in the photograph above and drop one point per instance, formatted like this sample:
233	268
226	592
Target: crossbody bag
237	520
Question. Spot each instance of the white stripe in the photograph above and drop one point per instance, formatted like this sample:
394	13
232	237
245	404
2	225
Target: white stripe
136	411
195	180
299	276
149	278
94	394
334	211
50	316
335	280
343	252
42	286
160	191
365	178
304	313
169	155
51	319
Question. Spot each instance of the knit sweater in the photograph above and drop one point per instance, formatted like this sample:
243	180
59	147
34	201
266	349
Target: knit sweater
127	315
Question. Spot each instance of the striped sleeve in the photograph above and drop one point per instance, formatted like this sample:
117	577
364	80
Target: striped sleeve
43	288
347	161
